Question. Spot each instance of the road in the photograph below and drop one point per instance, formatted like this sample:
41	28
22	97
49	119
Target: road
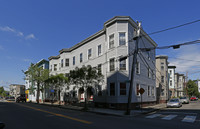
33	116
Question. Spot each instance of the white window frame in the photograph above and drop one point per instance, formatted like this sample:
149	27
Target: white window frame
89	56
99	54
152	91
81	57
124	38
113	64
122	68
136	89
111	43
137	67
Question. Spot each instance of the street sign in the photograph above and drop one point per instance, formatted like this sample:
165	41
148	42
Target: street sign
52	91
141	90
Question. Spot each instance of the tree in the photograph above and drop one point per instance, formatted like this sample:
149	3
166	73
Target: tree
37	75
2	92
58	81
192	88
85	77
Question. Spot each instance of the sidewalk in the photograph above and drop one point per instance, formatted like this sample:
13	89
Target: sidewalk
105	111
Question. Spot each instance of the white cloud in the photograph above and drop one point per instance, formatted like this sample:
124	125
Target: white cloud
18	33
27	60
30	36
186	59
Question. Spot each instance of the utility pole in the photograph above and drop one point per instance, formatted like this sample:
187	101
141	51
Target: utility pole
134	61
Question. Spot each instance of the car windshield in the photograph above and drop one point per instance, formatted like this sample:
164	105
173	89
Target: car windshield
173	100
182	97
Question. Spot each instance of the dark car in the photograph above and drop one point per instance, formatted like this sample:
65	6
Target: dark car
10	98
21	98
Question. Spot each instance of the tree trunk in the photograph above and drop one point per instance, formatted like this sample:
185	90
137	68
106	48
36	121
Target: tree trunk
59	96
85	92
38	92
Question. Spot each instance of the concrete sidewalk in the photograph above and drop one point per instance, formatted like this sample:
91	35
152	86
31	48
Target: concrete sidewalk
114	112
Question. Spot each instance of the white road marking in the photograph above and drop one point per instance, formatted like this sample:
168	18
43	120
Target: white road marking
190	119
169	117
153	116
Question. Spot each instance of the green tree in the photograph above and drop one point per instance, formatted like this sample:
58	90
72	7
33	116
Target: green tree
37	75
192	88
58	81
2	92
85	77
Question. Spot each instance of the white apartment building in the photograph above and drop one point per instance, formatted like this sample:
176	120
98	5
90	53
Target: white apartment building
31	86
171	72
103	50
162	78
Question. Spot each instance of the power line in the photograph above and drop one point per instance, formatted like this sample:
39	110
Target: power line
192	22
184	59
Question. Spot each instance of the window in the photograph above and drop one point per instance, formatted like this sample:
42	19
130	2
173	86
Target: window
55	67
149	53
111	41
162	67
122	39
51	68
67	62
149	72
138	67
170	83
62	63
170	72
122	88
74	60
112	64
153	74
122	64
138	90
152	91
148	90
99	50
89	53
162	79
81	57
99	68
112	89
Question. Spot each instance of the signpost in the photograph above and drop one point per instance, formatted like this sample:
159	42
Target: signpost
141	91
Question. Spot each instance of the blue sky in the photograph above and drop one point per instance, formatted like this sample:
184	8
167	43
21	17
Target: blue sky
34	29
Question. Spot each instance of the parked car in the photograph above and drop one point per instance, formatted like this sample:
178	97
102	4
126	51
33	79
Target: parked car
174	103
21	98
193	98
2	125
10	98
184	100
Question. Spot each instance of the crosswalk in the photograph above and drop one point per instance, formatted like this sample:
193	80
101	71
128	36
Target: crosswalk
186	118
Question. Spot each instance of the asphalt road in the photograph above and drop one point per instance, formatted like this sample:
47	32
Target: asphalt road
33	116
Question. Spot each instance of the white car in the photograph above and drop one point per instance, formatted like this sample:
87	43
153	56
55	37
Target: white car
174	103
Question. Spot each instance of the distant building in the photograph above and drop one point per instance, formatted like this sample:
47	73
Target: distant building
198	84
17	90
31	86
162	78
180	84
171	72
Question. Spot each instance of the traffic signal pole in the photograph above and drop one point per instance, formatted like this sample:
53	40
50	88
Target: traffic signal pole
134	61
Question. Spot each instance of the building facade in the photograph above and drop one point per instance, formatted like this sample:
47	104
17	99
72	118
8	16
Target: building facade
104	50
180	85
17	90
162	78
171	72
31	86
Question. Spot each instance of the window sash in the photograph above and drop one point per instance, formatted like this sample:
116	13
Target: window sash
67	62
112	64
122	39
81	57
122	88
111	41
122	65
55	67
62	63
112	89
89	53
74	60
99	50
